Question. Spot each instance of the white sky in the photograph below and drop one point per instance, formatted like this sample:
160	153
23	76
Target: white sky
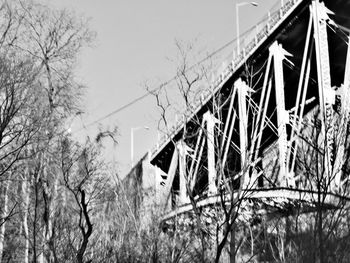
134	38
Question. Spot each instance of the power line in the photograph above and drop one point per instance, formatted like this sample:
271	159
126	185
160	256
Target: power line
164	84
126	105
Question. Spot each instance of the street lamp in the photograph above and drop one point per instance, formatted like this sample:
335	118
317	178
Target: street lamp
237	20
132	141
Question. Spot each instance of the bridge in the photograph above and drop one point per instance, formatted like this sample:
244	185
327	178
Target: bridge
273	128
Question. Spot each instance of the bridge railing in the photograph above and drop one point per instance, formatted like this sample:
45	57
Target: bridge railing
250	40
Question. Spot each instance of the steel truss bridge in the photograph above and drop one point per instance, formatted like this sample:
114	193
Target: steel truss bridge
274	126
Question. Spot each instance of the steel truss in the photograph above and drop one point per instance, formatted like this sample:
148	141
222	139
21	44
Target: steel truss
217	132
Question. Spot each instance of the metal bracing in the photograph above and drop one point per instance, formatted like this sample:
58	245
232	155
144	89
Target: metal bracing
326	93
259	123
346	86
197	160
227	146
300	99
342	138
227	135
229	125
196	157
230	113
255	110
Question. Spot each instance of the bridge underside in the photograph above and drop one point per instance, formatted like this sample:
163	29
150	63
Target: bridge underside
266	202
273	128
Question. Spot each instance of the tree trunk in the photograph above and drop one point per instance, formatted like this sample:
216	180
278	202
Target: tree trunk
86	232
320	236
3	218
233	244
26	195
35	221
50	207
42	252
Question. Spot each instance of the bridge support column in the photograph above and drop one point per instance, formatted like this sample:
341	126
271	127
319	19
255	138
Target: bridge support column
243	89
279	54
211	121
183	150
326	93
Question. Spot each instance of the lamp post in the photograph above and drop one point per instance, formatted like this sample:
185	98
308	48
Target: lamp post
132	141
237	20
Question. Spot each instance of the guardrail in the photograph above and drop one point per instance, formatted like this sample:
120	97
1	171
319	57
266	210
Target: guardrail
253	39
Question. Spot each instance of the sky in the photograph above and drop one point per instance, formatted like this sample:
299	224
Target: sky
135	39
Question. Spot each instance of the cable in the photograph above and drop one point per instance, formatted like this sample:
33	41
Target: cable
157	88
172	79
126	105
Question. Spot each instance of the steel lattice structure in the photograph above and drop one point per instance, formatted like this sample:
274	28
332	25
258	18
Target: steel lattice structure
287	91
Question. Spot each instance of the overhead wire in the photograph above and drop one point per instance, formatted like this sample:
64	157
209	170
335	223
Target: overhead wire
164	84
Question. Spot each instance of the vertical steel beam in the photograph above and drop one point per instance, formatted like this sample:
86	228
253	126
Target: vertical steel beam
242	89
326	93
211	121
282	115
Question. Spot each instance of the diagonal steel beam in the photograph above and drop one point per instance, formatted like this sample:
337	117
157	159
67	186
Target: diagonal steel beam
196	157
301	95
